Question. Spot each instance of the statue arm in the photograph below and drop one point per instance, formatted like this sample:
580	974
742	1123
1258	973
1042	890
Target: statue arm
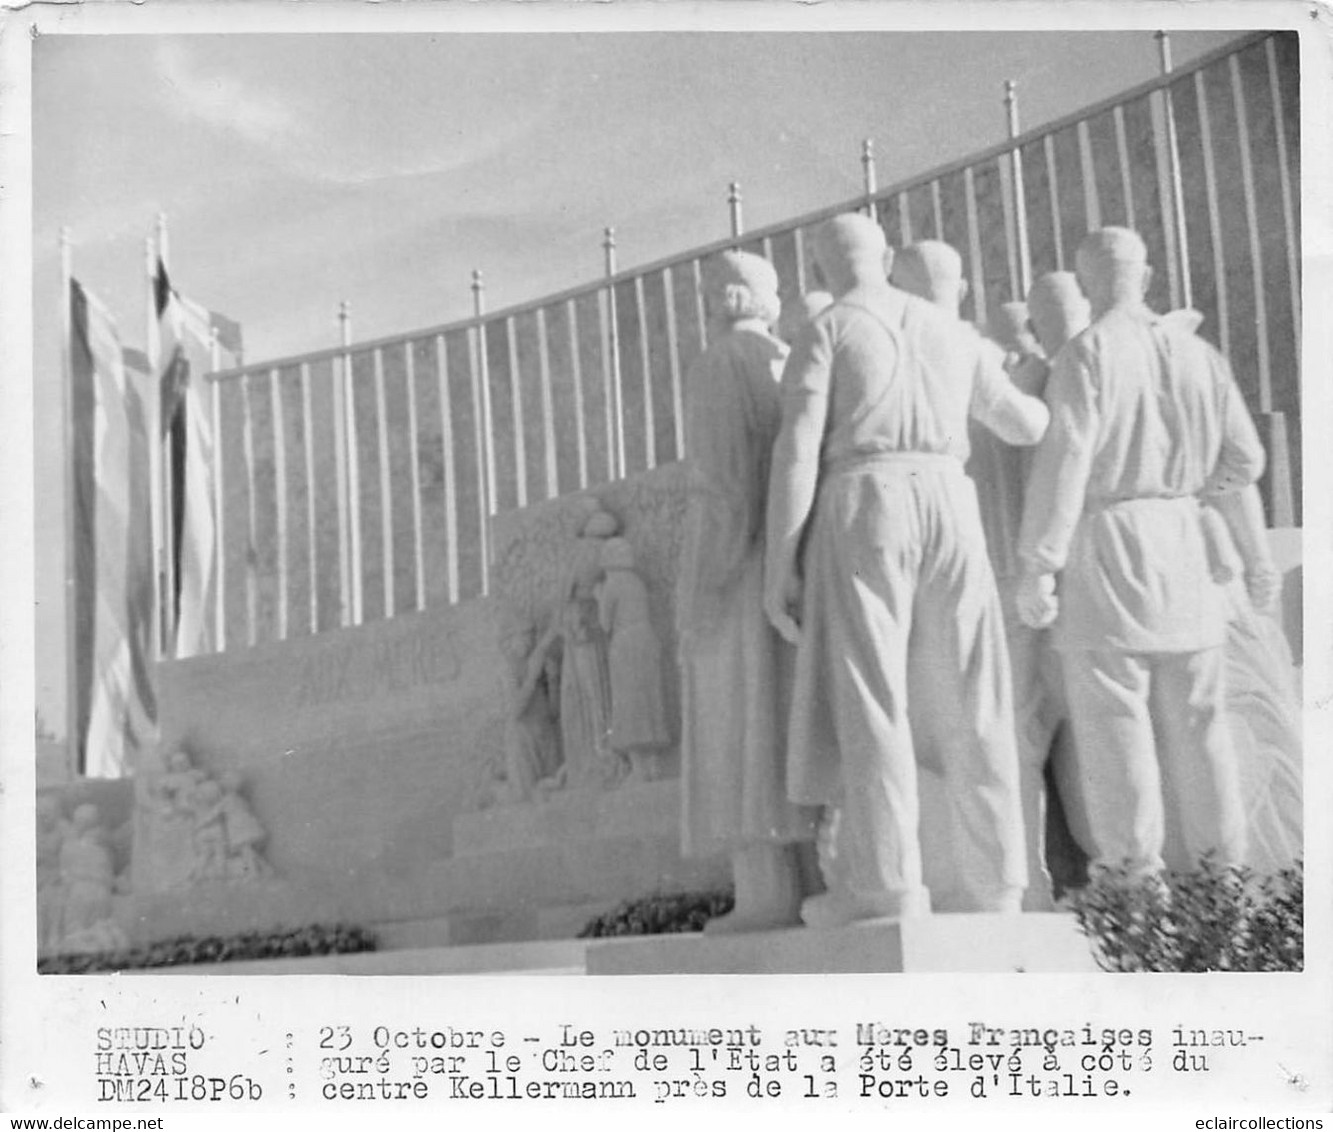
1057	487
1014	416
1240	461
795	472
1243	514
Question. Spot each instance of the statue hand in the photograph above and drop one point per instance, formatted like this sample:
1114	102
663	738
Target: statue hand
782	600
1264	586
1037	604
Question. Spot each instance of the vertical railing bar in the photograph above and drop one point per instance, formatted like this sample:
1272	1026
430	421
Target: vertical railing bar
1284	180
338	396
280	500
1092	206
450	471
312	543
355	563
937	209
1177	185
1166	198
1214	214
614	391
252	517
904	218
576	370
482	374
1252	227
1122	156
219	539
1009	207
386	481
1052	181
1019	189
485	463
516	413
673	360
414	450
548	407
974	249
696	269
645	363
802	281
605	305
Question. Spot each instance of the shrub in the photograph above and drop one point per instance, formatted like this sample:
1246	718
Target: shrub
660	913
315	939
1212	918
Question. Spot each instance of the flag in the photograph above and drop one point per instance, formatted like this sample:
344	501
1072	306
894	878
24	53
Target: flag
115	705
185	333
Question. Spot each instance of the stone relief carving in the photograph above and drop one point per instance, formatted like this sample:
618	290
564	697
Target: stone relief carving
76	881
200	826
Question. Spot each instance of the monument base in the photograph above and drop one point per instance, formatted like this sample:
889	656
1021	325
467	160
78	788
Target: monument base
976	943
1040	943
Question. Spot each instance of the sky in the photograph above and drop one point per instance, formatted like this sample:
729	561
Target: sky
297	171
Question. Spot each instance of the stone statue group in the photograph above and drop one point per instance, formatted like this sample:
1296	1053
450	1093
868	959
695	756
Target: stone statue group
854	606
201	825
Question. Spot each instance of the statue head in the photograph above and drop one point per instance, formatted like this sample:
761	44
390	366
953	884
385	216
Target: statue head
1011	328
931	270
600	524
179	760
85	818
801	310
617	554
1058	309
738	285
851	251
1112	268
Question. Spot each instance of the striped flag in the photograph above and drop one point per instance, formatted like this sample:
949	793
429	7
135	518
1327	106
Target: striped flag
183	351
110	404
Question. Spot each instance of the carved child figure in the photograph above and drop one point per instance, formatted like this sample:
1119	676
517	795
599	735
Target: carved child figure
243	834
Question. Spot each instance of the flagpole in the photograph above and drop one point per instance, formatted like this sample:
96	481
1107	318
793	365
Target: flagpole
169	486
154	352
73	740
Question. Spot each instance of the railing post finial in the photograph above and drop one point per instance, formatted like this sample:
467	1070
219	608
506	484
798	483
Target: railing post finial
734	202
609	250
478	293
869	176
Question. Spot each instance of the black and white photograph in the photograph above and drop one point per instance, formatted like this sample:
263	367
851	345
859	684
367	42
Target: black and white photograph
720	560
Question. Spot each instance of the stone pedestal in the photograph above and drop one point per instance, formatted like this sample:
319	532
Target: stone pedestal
961	943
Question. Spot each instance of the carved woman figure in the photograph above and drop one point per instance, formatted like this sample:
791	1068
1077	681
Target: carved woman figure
734	666
638	717
585	692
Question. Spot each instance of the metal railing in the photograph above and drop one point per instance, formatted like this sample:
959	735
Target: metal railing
357	482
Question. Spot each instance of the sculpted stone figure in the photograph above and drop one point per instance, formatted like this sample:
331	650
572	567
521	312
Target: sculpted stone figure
1262	698
585	679
735	668
634	657
87	878
244	835
532	734
877	570
1147	422
933	271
